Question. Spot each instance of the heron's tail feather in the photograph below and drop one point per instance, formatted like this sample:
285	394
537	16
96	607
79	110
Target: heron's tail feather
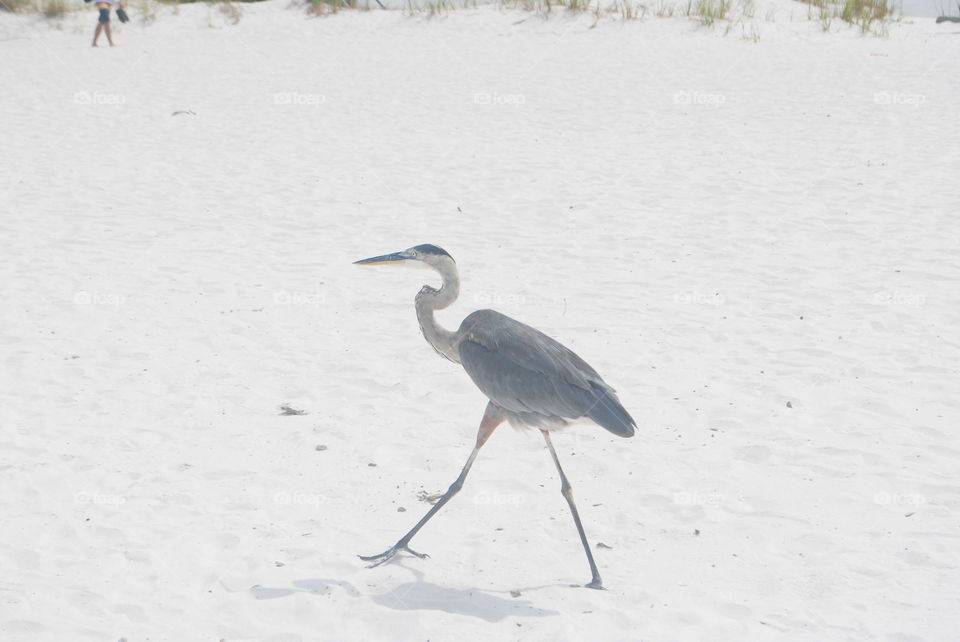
609	413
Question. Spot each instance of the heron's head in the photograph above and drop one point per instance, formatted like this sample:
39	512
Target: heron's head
420	255
432	257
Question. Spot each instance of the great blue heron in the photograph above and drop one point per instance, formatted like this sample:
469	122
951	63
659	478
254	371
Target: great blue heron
530	379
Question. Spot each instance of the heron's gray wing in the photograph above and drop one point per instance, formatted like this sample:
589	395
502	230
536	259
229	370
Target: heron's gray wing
523	370
528	347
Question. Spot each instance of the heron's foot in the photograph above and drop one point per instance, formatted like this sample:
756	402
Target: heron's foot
596	583
388	555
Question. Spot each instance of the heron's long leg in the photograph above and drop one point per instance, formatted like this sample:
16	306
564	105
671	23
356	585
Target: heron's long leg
492	418
567	490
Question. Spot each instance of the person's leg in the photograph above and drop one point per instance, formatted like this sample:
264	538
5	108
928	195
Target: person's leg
106	28
96	33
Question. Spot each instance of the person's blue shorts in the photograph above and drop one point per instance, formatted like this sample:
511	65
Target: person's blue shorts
104	16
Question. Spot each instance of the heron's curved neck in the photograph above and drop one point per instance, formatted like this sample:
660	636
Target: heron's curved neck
430	299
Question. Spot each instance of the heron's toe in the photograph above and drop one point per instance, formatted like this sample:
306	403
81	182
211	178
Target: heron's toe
422	556
378	559
388	555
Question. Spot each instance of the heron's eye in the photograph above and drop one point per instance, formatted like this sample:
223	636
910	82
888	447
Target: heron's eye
413	253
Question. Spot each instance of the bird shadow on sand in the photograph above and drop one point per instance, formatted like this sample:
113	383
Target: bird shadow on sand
420	595
317	586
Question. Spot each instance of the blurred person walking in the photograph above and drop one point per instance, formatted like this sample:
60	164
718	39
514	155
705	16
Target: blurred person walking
103	20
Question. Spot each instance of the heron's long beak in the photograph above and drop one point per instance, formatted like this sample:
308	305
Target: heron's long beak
396	257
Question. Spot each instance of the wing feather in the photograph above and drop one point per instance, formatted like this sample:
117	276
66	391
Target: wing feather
524	371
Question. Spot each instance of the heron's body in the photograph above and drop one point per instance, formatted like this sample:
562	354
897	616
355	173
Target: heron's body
502	356
530	379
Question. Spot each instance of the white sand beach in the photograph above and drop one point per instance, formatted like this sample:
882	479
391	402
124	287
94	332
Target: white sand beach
751	233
